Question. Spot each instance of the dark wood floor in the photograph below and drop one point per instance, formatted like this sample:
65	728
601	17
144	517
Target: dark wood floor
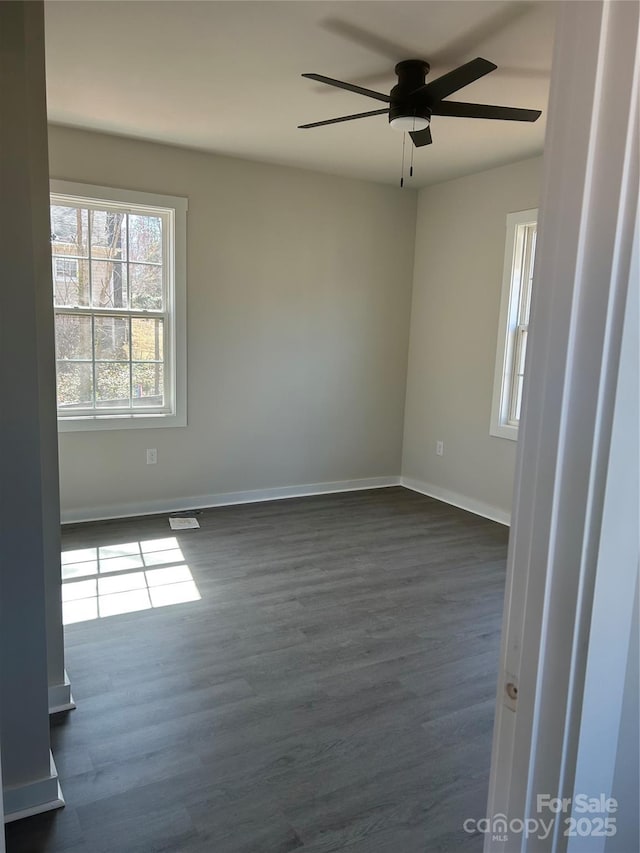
333	689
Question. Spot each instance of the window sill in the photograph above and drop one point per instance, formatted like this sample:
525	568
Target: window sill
504	431
103	422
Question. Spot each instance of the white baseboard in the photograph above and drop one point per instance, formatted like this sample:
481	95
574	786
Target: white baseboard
461	501
60	698
43	795
128	510
164	505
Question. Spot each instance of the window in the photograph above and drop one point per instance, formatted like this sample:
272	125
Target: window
119	302
514	322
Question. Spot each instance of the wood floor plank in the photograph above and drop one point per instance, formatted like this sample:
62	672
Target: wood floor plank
331	690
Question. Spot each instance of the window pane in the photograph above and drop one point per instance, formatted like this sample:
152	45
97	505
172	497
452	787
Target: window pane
75	385
518	396
66	268
146	339
112	338
73	337
146	286
148	385
108	234
69	231
521	352
112	385
70	282
108	284
145	238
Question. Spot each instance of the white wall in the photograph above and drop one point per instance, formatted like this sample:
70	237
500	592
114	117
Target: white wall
460	237
299	290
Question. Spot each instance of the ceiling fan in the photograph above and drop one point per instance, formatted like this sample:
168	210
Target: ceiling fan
412	101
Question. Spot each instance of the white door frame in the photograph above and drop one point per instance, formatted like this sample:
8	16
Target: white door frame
588	211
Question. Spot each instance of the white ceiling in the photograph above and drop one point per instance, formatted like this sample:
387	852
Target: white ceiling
225	77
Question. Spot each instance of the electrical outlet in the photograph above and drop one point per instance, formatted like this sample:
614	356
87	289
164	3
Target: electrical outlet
152	455
440	448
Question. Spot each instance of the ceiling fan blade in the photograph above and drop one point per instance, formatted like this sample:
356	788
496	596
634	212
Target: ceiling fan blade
349	87
469	40
367	39
456	79
421	137
343	118
510	15
461	110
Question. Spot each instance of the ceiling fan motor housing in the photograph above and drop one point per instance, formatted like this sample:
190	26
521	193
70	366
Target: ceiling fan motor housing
411	76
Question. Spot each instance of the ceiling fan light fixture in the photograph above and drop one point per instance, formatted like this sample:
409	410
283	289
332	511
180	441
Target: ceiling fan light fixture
408	123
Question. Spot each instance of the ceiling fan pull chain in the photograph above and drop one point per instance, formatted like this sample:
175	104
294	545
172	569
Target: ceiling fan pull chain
412	148
404	140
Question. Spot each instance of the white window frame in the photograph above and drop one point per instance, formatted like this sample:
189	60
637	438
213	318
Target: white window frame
174	212
510	333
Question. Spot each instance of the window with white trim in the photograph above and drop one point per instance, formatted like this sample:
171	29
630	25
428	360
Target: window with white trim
118	268
514	323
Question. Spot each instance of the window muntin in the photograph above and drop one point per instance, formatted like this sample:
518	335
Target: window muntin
116	267
514	323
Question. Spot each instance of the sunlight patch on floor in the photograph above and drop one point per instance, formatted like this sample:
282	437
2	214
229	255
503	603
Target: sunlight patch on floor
113	579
